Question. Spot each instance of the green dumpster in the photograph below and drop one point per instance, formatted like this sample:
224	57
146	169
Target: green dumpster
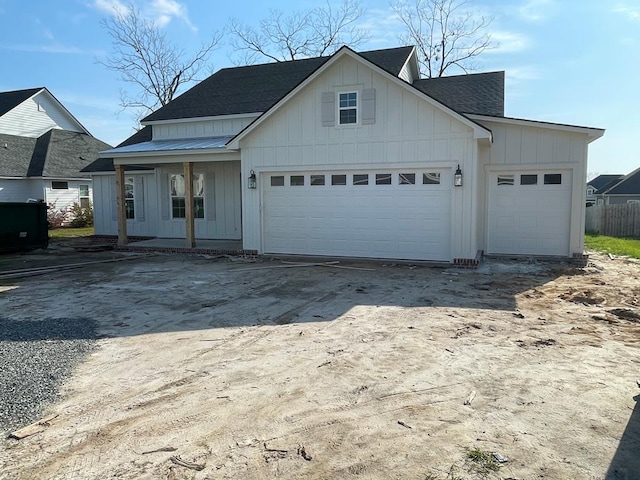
23	226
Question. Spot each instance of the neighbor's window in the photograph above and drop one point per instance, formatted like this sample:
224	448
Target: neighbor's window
552	178
129	198
178	203
431	178
59	185
348	108
528	179
83	194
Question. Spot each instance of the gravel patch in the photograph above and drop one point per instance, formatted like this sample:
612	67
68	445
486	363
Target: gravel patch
36	358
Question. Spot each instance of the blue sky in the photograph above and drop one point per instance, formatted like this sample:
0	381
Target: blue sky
566	61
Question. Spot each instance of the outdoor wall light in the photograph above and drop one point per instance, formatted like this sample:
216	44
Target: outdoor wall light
457	177
253	182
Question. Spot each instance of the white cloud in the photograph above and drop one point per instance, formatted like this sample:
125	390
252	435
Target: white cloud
509	42
536	10
52	48
383	27
112	7
522	74
160	12
630	13
163	11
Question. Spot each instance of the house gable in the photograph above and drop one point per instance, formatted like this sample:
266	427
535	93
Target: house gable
359	76
36	114
628	185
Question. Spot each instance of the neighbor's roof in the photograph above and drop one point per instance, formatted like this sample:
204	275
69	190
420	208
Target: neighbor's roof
256	88
56	153
629	185
478	93
603	181
10	100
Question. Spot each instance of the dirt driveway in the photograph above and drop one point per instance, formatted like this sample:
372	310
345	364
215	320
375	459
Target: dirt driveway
212	368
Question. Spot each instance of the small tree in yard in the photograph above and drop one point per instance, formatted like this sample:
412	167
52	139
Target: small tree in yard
81	216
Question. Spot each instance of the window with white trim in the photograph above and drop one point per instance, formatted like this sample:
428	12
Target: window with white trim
177	192
348	108
83	196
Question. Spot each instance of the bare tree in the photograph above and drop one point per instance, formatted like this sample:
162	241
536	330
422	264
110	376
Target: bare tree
309	33
142	56
446	34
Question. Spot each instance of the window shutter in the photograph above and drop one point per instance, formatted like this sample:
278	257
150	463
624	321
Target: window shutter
368	106
328	109
114	198
138	197
164	195
210	196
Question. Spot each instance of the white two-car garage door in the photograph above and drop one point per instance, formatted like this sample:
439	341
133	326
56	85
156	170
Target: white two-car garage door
403	214
529	213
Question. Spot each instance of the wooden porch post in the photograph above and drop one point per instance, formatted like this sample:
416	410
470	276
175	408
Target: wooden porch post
120	203
188	203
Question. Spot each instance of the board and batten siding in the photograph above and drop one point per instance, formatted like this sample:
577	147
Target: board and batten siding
222	202
105	209
408	130
519	148
200	129
35	116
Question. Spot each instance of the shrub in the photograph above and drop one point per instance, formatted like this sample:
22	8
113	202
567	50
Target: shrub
56	217
81	216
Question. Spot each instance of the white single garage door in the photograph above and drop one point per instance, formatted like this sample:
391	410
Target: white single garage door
529	213
403	214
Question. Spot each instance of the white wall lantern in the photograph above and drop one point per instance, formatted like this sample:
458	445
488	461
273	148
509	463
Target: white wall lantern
253	182
457	177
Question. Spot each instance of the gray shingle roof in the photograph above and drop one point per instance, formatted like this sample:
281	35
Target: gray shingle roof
603	181
629	185
479	93
256	88
10	100
56	153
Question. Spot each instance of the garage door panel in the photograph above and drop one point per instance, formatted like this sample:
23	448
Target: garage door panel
529	219
384	221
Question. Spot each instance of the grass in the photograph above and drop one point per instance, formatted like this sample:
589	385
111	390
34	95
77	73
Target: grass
70	232
613	245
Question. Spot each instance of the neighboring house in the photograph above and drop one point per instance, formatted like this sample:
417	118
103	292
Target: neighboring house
42	150
600	182
624	189
349	155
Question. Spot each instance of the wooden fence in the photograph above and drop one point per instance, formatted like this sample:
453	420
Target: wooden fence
614	220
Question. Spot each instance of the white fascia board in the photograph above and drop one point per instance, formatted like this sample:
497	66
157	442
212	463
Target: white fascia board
235	116
80	179
15	178
593	133
479	131
152	158
127	172
64	109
